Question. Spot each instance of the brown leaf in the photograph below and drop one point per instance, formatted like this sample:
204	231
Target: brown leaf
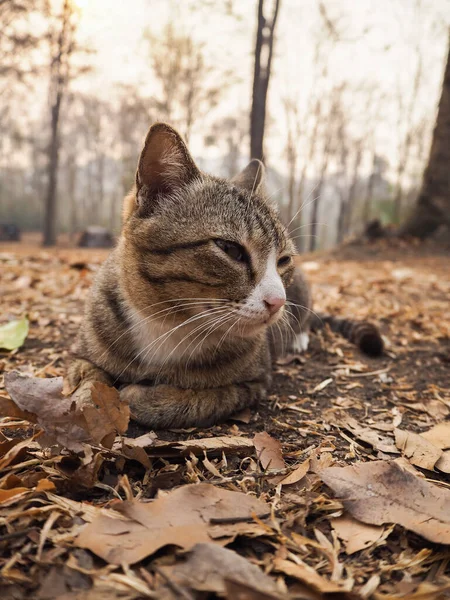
306	574
297	474
9	409
241	591
369	436
208	566
418	450
439	435
180	518
356	535
243	416
382	492
93	414
269	452
443	464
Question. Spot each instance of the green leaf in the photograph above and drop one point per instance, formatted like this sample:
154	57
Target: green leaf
13	334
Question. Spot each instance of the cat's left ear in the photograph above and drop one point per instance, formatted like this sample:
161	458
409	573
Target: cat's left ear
252	178
165	164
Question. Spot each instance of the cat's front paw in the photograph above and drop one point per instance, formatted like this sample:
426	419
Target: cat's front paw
300	343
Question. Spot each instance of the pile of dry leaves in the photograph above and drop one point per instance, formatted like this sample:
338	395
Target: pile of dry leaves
338	488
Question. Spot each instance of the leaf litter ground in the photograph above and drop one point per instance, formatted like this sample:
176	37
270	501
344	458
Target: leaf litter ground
338	487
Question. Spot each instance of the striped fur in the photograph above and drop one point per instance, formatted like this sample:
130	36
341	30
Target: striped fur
178	317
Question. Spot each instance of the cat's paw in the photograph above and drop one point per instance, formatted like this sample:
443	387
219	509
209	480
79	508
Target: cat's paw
300	343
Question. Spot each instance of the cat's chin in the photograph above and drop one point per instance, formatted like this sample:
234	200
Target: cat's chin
252	329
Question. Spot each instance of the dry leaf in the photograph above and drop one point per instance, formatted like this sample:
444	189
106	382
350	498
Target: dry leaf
297	474
439	435
382	492
417	449
443	464
367	435
269	452
208	566
356	535
93	414
306	574
243	416
241	591
180	518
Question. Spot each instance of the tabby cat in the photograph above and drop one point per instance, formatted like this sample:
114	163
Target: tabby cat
200	291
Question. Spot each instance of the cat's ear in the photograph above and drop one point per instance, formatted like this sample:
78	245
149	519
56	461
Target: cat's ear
165	164
252	177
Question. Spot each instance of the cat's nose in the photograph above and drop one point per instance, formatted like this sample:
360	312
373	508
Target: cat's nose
274	303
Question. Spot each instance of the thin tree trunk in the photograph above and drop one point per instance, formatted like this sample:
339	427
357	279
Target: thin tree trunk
433	205
50	201
264	45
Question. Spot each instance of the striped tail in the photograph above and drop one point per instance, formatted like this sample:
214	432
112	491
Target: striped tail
363	334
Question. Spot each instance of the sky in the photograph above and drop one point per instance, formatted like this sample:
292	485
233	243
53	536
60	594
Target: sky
380	43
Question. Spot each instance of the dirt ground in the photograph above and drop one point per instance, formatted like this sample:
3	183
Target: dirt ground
331	406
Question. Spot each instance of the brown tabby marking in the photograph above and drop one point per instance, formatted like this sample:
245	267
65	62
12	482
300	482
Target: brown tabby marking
184	311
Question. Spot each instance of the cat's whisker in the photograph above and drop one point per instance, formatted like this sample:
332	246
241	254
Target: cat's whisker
212	312
201	327
169	310
209	331
222	339
163	337
289	303
303	205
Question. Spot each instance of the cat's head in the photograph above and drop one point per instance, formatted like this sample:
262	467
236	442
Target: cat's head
202	250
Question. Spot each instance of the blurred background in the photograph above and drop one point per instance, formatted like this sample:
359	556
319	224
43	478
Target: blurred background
339	97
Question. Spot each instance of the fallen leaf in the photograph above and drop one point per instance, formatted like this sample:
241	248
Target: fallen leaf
13	334
356	535
240	591
93	415
322	385
269	452
439	435
443	464
180	518
369	436
417	449
6	495
306	574
297	474
208	566
382	492
243	416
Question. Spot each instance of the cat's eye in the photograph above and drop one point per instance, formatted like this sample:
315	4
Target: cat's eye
283	261
233	250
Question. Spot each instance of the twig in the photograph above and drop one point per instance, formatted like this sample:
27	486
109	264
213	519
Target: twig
16	534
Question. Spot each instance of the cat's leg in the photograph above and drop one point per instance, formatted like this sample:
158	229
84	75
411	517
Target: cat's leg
163	406
82	371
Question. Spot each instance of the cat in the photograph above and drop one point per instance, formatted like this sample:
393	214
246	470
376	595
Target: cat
199	296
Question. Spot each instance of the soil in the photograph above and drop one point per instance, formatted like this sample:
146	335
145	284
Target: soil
402	287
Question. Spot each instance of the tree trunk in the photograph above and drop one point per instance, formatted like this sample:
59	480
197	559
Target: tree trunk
433	205
263	48
50	201
58	83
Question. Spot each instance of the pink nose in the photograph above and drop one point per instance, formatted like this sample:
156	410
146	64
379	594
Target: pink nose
273	304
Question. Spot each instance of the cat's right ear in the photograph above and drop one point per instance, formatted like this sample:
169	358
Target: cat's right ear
252	177
165	165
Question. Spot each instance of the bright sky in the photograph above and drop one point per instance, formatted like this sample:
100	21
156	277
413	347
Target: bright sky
382	36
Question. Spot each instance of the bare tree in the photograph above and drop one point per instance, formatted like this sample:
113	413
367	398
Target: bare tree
63	46
433	205
265	35
187	91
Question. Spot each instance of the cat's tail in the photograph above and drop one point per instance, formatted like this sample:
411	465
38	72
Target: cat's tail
363	334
